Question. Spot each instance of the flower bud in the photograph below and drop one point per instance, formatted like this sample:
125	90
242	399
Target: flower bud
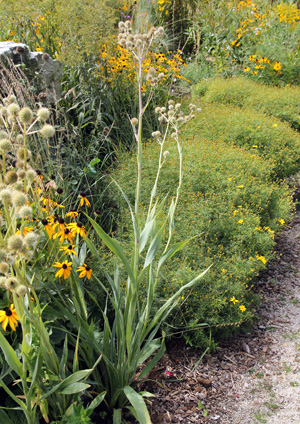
13	109
22	152
25	212
31	175
5	196
4	268
134	121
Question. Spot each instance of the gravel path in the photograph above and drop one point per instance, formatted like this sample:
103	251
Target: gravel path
269	392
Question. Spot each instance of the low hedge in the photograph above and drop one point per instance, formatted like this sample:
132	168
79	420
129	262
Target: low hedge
282	103
229	200
263	135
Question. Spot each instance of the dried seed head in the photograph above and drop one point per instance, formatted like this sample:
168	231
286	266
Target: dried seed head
21	289
48	131
3	255
12	99
11	177
4	111
166	154
15	243
121	25
26	115
21	174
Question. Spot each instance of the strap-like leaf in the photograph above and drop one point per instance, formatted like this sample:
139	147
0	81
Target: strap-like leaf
138	404
154	246
10	356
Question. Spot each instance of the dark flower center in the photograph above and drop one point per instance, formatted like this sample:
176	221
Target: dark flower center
70	247
45	221
87	268
79	225
64	266
83	194
61	220
67	231
8	312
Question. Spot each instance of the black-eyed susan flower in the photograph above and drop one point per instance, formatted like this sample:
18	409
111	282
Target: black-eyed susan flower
84	200
64	269
85	271
9	316
68	249
72	214
77	228
48	226
60	223
277	66
64	235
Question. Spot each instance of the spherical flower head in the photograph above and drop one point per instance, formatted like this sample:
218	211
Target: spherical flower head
25	212
11	177
3	255
3	134
3	111
19	185
21	174
26	115
134	122
22	152
31	239
3	283
19	199
4	268
12	99
27	253
20	138
15	243
5	196
48	131
43	113
121	25
31	175
5	145
21	289
13	109
12	283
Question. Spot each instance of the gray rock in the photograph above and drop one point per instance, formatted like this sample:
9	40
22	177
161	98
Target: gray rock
44	72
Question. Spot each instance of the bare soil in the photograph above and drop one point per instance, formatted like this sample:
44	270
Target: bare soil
251	379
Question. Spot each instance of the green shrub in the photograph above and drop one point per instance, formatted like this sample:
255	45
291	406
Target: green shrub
263	135
282	103
231	207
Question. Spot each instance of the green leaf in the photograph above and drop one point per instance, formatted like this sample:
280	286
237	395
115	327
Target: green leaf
171	252
145	235
10	356
74	388
94	161
138	404
4	418
113	245
117	417
96	402
153	361
154	246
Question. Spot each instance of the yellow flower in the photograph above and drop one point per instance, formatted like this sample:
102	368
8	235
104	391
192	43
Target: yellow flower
246	69
77	228
261	258
241	221
281	221
72	214
64	269
63	235
68	249
9	316
234	300
229	179
242	308
277	66
84	270
84	200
